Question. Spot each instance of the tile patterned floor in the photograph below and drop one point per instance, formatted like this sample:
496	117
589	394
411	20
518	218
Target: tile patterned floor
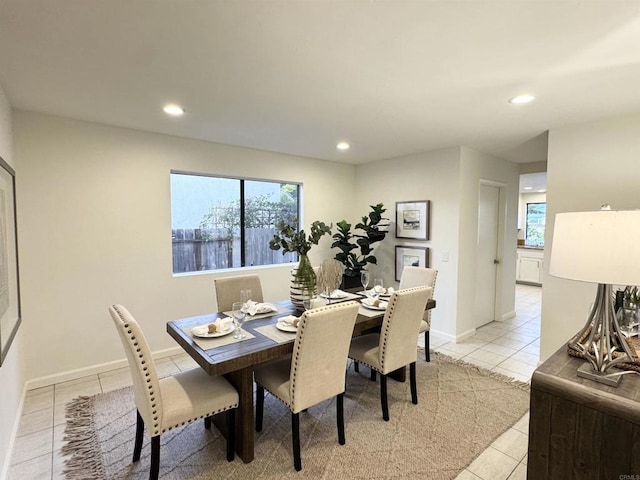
509	347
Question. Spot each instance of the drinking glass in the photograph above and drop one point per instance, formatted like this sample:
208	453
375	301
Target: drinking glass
378	286
245	296
307	303
364	279
238	316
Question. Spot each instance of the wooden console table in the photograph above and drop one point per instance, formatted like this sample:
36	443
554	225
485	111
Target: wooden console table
580	429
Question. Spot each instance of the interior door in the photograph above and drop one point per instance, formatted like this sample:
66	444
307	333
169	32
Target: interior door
487	258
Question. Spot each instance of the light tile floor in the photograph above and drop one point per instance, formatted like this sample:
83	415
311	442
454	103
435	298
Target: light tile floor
509	347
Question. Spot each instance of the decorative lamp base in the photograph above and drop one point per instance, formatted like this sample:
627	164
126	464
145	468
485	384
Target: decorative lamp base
586	371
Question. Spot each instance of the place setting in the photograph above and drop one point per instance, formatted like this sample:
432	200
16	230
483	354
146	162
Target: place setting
217	333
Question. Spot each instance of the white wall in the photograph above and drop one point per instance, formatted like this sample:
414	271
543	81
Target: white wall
588	165
95	229
12	375
427	176
474	168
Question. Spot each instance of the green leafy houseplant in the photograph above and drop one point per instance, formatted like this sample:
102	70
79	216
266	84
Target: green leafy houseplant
355	248
292	240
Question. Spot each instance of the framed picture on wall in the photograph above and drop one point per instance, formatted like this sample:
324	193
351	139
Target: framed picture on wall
414	256
412	219
9	287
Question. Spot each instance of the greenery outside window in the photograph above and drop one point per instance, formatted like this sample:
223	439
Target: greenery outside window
535	222
221	222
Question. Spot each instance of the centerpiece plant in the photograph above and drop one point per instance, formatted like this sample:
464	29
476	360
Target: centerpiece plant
290	239
355	249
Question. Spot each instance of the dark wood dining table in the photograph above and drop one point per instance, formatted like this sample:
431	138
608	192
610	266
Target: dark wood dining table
236	361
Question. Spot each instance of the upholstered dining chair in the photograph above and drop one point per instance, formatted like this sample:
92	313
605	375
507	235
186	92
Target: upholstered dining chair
315	371
415	277
395	346
228	290
166	403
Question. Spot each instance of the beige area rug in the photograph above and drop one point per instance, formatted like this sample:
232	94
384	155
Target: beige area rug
461	410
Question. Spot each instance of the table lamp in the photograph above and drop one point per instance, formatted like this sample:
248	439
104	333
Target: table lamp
600	247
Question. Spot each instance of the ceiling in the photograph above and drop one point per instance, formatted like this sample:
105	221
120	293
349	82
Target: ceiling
391	77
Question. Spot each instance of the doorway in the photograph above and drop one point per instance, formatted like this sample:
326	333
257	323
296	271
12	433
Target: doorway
490	219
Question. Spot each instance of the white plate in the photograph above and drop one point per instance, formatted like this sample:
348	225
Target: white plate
373	307
286	328
334	295
216	334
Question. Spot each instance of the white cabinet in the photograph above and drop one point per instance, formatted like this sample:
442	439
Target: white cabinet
529	266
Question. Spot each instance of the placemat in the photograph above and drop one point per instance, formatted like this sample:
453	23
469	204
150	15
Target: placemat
280	311
208	343
278	336
348	296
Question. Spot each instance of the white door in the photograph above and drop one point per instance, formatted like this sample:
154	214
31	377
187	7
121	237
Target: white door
486	261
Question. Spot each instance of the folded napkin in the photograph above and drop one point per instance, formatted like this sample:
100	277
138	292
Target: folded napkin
255	308
289	321
374	302
385	291
221	325
336	294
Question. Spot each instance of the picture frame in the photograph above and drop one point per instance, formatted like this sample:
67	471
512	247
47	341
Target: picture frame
414	256
412	219
10	313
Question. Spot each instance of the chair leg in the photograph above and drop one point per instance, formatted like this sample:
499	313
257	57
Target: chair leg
259	406
207	423
231	434
295	440
427	354
412	381
137	446
154	470
383	397
340	417
373	375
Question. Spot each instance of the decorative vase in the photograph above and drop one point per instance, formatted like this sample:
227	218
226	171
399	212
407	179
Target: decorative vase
303	282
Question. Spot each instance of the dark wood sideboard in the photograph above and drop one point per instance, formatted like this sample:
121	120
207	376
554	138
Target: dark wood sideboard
580	429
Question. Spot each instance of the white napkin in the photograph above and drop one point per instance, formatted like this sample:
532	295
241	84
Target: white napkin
337	294
289	321
255	308
222	325
385	291
374	302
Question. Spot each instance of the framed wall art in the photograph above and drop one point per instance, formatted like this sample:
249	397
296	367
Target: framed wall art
412	220
414	256
9	284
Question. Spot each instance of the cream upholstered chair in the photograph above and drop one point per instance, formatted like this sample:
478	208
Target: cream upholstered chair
395	346
228	290
415	277
170	402
314	372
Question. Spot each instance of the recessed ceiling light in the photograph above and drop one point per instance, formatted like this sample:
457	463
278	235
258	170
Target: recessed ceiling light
541	191
528	188
522	99
343	146
173	110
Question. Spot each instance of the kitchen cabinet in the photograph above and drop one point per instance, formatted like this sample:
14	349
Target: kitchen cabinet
529	266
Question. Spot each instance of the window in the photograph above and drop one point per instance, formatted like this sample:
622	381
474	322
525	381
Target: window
534	233
219	222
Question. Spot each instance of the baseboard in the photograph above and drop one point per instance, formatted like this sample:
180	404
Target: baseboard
454	338
4	474
508	316
93	370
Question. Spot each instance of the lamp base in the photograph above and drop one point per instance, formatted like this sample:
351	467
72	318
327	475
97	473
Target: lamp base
586	371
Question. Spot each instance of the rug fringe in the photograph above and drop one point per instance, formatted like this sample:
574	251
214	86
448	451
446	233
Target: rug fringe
85	462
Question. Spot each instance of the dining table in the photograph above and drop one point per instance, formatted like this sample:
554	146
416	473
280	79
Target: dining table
236	359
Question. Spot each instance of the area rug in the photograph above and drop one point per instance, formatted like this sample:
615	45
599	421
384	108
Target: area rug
461	410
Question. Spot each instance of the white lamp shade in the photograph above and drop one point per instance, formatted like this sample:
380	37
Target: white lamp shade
597	247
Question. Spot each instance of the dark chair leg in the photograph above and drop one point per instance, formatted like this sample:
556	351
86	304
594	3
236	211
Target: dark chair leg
154	470
207	422
231	434
259	407
295	439
137	446
373	375
356	366
427	354
340	417
383	397
412	381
